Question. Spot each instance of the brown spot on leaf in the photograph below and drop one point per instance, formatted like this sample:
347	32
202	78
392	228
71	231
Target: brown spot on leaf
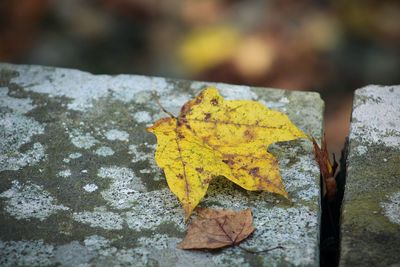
206	181
200	170
185	109
199	99
206	139
183	120
260	187
207	116
254	171
180	176
228	159
214	102
180	135
249	134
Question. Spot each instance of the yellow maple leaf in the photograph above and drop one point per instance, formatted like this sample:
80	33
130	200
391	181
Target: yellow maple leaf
216	137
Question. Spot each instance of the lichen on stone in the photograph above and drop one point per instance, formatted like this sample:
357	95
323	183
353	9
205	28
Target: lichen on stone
64	173
297	177
115	134
138	155
73	254
82	89
19	160
230	258
17	105
25	253
90	188
228	91
391	208
158	241
99	217
26	201
361	150
375	116
174	102
153	209
104	151
297	226
75	155
96	242
125	187
17	130
142	117
284	100
82	140
161	249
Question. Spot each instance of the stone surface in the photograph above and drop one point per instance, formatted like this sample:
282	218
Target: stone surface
370	227
79	185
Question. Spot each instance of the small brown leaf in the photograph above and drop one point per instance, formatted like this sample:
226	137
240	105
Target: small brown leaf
214	229
327	169
331	188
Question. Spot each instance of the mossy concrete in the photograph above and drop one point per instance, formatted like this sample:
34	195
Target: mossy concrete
79	185
370	226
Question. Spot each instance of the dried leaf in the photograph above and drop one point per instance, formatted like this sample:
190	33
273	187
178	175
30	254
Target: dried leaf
214	229
215	137
328	170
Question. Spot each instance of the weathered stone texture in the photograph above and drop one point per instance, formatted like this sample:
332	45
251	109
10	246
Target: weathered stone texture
370	227
79	185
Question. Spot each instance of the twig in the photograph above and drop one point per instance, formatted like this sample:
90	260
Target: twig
260	251
157	98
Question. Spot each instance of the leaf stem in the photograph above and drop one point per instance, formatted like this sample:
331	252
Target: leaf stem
157	98
260	251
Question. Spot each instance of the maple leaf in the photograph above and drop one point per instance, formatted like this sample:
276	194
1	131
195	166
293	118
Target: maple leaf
214	229
216	137
327	168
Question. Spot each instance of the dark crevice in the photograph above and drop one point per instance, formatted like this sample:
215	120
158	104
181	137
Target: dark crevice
330	218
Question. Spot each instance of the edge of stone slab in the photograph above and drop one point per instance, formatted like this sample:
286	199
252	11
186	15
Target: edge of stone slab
369	86
274	98
4	65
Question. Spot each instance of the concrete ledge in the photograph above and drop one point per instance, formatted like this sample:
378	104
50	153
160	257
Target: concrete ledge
370	227
79	186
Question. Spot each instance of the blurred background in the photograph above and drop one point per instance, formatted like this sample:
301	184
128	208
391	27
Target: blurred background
332	47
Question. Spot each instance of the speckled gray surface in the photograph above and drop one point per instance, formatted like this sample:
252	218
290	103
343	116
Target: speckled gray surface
79	185
370	227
